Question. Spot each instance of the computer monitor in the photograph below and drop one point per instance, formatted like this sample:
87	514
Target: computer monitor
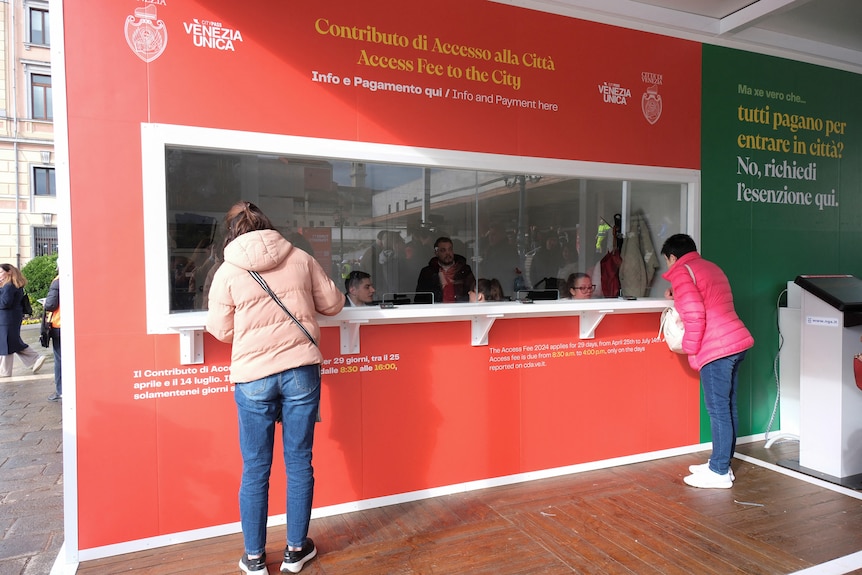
538	294
410	297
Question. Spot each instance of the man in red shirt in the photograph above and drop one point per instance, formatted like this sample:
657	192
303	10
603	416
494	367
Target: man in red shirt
447	276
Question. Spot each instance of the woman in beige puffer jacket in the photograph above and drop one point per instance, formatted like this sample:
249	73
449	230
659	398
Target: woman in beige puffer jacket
276	369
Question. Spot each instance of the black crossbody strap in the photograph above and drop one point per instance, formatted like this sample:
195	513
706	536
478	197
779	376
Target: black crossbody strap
266	288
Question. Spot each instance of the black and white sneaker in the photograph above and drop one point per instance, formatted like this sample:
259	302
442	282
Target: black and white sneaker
294	560
256	565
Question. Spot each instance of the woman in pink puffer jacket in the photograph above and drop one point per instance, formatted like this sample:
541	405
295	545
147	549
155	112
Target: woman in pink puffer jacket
716	341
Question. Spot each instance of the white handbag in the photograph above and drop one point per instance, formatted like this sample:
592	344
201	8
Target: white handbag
672	329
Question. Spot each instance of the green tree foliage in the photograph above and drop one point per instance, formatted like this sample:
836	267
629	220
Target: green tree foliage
40	272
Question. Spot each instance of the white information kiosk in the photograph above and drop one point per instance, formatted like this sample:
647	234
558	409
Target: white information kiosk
830	422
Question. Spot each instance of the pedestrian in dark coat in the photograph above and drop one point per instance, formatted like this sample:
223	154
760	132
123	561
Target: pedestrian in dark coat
11	315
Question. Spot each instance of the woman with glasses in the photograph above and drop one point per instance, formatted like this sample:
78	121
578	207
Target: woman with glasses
580	286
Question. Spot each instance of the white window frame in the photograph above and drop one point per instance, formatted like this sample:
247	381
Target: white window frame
29	6
33	168
32	69
155	138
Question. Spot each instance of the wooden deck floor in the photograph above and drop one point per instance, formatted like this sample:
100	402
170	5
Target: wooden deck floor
633	519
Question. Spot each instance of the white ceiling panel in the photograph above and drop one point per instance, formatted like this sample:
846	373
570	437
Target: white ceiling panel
710	8
825	32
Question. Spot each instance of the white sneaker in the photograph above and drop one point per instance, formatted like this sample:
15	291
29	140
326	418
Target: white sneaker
705	467
38	363
709	480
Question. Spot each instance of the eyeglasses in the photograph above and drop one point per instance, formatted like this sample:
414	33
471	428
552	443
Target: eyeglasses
585	289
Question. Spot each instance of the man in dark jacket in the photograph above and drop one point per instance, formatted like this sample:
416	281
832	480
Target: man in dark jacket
447	276
52	307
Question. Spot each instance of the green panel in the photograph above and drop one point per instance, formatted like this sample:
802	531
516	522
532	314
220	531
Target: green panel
795	130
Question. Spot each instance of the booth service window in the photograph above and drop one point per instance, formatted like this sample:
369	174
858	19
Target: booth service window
383	218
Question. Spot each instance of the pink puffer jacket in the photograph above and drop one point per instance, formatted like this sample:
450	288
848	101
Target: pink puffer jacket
705	304
265	340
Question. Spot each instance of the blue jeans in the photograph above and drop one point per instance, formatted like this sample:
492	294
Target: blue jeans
58	367
294	395
719	379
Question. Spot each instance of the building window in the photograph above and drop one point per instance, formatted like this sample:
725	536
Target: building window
41	98
44	241
43	182
40	27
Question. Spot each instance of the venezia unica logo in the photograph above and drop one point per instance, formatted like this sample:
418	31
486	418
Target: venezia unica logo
613	93
146	35
208	34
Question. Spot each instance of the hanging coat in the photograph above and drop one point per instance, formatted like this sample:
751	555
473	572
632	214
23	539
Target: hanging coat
639	261
610	274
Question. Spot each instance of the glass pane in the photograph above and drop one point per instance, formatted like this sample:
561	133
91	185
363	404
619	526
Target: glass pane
36	27
46	38
663	208
540	229
43	182
39	103
42	98
409	217
39	182
528	231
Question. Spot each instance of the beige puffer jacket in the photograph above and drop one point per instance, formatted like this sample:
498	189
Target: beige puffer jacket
265	340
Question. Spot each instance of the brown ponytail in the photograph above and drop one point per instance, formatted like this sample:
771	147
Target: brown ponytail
244	217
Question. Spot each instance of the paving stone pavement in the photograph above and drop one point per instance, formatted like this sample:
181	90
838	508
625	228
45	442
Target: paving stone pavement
31	467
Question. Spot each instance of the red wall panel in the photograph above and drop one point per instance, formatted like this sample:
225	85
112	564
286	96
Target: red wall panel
443	417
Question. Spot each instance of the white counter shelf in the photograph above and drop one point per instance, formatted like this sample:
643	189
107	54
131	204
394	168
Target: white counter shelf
483	315
480	315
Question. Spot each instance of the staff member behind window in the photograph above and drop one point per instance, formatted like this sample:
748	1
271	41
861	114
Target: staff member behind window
276	369
447	276
359	290
580	286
